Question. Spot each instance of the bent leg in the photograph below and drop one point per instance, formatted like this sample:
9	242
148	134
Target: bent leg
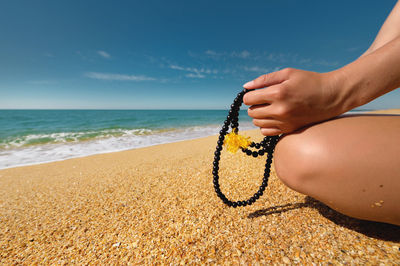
351	163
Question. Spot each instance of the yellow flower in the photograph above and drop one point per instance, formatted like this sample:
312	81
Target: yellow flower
234	141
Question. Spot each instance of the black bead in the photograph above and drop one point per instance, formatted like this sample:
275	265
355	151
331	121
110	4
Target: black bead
268	143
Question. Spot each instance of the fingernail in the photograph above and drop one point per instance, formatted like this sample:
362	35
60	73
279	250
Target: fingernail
248	84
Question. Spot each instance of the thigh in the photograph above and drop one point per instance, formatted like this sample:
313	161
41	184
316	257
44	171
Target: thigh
351	163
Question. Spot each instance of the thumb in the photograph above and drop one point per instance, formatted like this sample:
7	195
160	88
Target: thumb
268	79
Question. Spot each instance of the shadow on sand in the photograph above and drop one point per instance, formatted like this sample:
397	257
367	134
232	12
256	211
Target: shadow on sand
383	231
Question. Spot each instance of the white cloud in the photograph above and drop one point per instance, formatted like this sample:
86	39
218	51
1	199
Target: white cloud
195	75
211	52
104	54
257	69
217	55
243	54
279	57
177	67
119	77
196	72
214	55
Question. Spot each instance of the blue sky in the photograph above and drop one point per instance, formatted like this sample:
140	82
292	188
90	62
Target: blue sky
171	54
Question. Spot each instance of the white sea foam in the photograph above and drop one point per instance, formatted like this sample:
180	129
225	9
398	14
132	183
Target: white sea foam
18	155
64	137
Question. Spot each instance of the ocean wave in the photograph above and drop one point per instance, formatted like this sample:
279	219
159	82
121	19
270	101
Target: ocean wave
68	137
64	145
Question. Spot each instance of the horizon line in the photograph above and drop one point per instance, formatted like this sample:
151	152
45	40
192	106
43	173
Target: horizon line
144	109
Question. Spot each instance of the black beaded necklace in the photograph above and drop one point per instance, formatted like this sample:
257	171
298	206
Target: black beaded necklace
267	145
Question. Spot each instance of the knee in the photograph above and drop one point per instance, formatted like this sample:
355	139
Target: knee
298	161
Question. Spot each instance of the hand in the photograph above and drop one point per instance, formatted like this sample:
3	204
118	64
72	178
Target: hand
293	99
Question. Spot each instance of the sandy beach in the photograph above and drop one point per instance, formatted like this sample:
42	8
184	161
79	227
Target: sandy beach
157	205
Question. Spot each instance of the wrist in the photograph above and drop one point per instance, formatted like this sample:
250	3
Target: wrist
340	86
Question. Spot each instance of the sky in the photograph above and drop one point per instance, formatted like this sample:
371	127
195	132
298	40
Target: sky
157	54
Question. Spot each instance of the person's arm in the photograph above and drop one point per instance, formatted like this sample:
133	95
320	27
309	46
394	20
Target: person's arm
296	98
370	76
389	30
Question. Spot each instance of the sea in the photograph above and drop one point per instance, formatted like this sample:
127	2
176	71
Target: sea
37	136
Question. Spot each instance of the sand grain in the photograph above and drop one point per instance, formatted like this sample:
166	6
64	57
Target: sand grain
157	204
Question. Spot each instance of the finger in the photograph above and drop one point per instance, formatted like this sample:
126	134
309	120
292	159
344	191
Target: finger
267	123
268	79
257	97
261	111
270	131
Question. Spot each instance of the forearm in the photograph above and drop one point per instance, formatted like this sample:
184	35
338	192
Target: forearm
369	76
389	31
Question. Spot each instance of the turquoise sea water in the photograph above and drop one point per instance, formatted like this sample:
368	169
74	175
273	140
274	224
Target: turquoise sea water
36	136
